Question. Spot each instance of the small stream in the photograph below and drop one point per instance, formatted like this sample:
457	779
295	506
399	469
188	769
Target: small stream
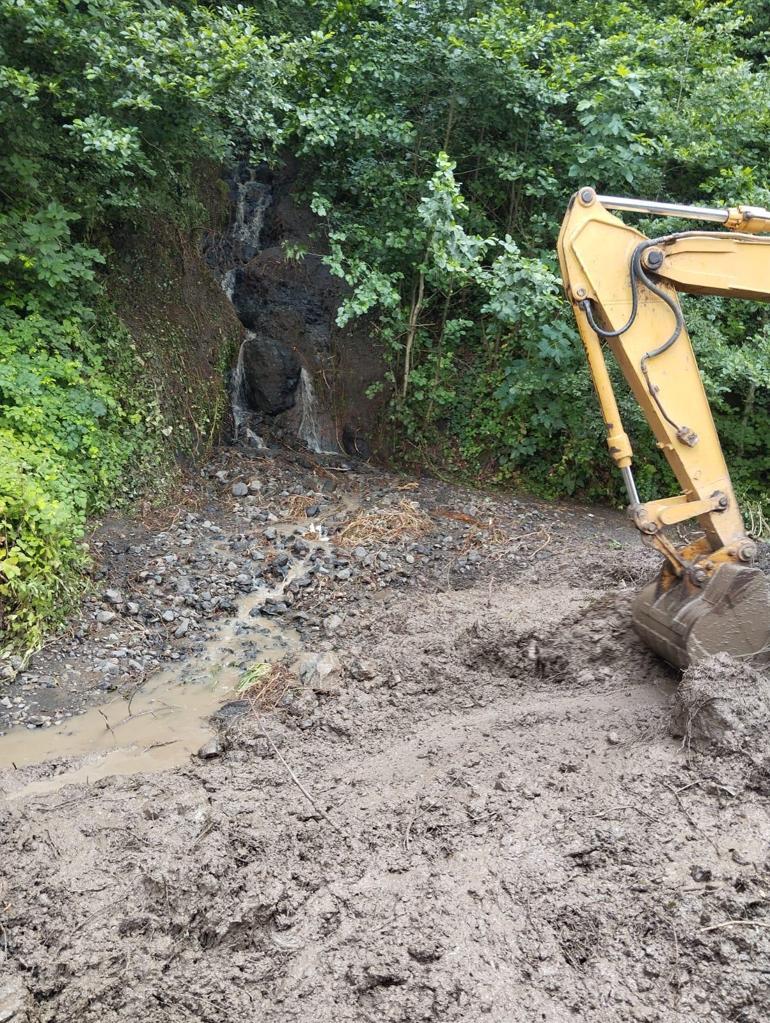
165	721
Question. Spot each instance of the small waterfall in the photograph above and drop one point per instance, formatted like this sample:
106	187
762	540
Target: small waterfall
238	402
228	284
252	200
309	429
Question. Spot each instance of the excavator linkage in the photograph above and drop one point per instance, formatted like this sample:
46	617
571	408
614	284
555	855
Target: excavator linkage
708	597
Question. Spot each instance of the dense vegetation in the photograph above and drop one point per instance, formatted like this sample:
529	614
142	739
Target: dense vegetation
440	143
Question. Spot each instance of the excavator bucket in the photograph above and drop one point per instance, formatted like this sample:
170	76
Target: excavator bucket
685	623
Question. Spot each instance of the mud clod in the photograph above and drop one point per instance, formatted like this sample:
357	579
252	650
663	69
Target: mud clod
725	704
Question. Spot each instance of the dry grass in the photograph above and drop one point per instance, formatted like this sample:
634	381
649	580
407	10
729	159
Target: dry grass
481	533
296	507
264	685
386	525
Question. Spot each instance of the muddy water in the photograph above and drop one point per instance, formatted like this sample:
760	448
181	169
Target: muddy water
165	720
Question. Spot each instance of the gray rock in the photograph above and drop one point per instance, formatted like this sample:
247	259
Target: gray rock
104	617
132	607
230	711
168	615
343	574
359	553
15	1001
181	629
239	490
320	671
332	623
211	749
113	596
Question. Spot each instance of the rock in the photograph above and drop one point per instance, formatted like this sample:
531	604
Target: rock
113	596
211	749
239	490
613	738
182	628
132	607
230	711
254	486
332	623
270	607
343	574
104	617
359	553
409	559
313	511
320	670
168	615
701	874
15	1001
271	372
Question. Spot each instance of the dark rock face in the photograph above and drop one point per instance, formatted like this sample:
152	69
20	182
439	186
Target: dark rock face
271	374
289	307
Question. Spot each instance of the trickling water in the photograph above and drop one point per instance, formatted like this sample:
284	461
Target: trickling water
252	200
238	402
309	429
228	284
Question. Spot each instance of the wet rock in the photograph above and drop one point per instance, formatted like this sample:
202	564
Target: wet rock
271	374
230	711
270	607
211	749
320	671
239	490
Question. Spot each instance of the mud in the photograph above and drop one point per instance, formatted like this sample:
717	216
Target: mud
724	704
485	811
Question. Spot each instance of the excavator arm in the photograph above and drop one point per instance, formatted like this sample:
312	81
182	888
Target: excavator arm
622	286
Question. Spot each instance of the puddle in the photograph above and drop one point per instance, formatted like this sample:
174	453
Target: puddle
166	720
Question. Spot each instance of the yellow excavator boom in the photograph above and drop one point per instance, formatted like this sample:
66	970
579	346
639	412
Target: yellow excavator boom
622	287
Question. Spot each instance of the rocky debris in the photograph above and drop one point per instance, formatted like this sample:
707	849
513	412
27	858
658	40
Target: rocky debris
725	704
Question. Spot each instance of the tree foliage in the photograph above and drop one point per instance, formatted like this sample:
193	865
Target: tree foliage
440	144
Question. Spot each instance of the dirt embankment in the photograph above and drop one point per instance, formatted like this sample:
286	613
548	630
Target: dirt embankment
470	795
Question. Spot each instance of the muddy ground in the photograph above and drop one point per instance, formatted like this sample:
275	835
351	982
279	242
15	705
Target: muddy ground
468	792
